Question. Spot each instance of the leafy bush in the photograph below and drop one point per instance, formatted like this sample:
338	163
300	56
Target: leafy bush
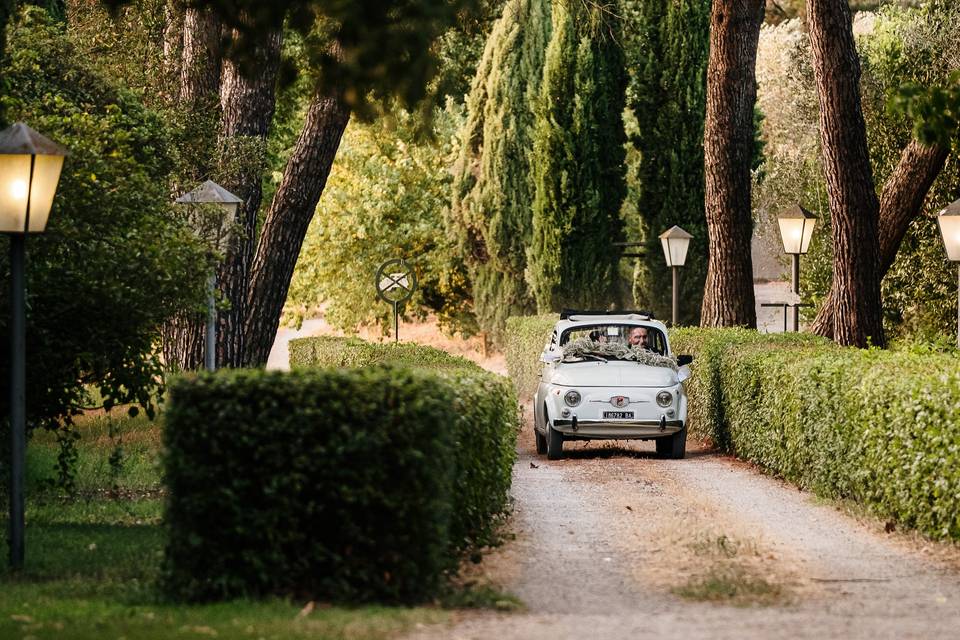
344	484
114	263
328	351
878	427
525	339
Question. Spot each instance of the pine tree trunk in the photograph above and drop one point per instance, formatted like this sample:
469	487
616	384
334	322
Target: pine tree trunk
197	67
290	213
172	47
854	207
200	67
900	203
248	104
728	298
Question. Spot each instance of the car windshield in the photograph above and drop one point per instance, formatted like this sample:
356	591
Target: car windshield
605	342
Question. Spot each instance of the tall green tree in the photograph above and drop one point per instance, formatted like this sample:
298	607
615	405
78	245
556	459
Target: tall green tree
668	103
492	190
578	162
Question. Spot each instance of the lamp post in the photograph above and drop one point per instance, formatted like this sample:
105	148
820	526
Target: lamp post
675	243
949	223
30	167
216	230
796	229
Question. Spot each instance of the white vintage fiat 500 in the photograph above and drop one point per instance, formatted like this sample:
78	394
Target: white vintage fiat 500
611	377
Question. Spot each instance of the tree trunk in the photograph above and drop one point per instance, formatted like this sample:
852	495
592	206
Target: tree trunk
900	203
287	220
854	207
248	104
198	86
728	298
200	67
172	47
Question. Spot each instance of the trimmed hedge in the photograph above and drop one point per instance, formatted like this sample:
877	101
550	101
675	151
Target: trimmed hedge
329	351
878	427
344	485
525	339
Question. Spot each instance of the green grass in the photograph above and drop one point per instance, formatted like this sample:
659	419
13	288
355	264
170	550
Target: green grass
730	585
93	558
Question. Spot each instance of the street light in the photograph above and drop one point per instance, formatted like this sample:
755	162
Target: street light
796	229
675	243
30	167
215	229
949	223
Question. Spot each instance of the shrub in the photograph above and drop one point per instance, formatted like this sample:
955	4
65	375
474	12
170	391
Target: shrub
878	427
329	351
342	484
525	339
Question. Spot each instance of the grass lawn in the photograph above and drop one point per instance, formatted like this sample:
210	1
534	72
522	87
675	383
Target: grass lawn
93	559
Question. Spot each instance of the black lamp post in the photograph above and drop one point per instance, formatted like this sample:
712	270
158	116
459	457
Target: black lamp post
216	230
796	229
675	243
30	167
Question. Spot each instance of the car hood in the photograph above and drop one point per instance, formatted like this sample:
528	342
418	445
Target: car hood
612	374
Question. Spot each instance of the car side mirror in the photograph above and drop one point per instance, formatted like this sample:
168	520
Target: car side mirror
684	359
683	373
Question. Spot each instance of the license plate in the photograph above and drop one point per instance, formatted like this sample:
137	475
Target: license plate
618	415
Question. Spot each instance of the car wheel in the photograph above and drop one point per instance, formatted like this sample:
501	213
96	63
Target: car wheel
554	443
541	441
673	447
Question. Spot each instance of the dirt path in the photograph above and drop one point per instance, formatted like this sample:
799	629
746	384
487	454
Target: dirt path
614	543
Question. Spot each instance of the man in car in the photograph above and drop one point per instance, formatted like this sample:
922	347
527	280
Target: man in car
639	338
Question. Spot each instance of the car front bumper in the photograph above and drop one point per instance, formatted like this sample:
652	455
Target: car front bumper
617	429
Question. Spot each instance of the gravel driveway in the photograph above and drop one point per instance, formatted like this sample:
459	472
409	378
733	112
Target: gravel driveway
614	543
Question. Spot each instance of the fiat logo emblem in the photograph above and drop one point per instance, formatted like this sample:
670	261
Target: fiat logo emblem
619	401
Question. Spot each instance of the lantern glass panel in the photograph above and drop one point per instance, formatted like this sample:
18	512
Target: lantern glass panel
675	251
950	232
15	187
791	233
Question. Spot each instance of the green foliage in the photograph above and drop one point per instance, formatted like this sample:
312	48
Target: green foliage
934	111
113	263
386	197
526	338
666	47
492	191
578	164
348	484
877	427
328	351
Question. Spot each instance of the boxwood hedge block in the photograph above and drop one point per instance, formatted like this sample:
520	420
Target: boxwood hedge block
878	427
341	484
330	351
525	338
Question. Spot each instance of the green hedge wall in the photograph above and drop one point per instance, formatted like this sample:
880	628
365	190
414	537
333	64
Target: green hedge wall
878	427
330	351
525	339
341	484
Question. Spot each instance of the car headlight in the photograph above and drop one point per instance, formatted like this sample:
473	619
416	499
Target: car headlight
664	398
572	398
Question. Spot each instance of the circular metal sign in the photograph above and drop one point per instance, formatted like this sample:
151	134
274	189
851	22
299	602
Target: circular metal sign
396	281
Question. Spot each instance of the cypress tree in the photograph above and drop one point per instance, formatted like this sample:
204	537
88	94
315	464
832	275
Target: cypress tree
492	190
578	163
667	55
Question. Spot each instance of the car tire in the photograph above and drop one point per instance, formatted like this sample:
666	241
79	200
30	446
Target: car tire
673	447
541	441
554	443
